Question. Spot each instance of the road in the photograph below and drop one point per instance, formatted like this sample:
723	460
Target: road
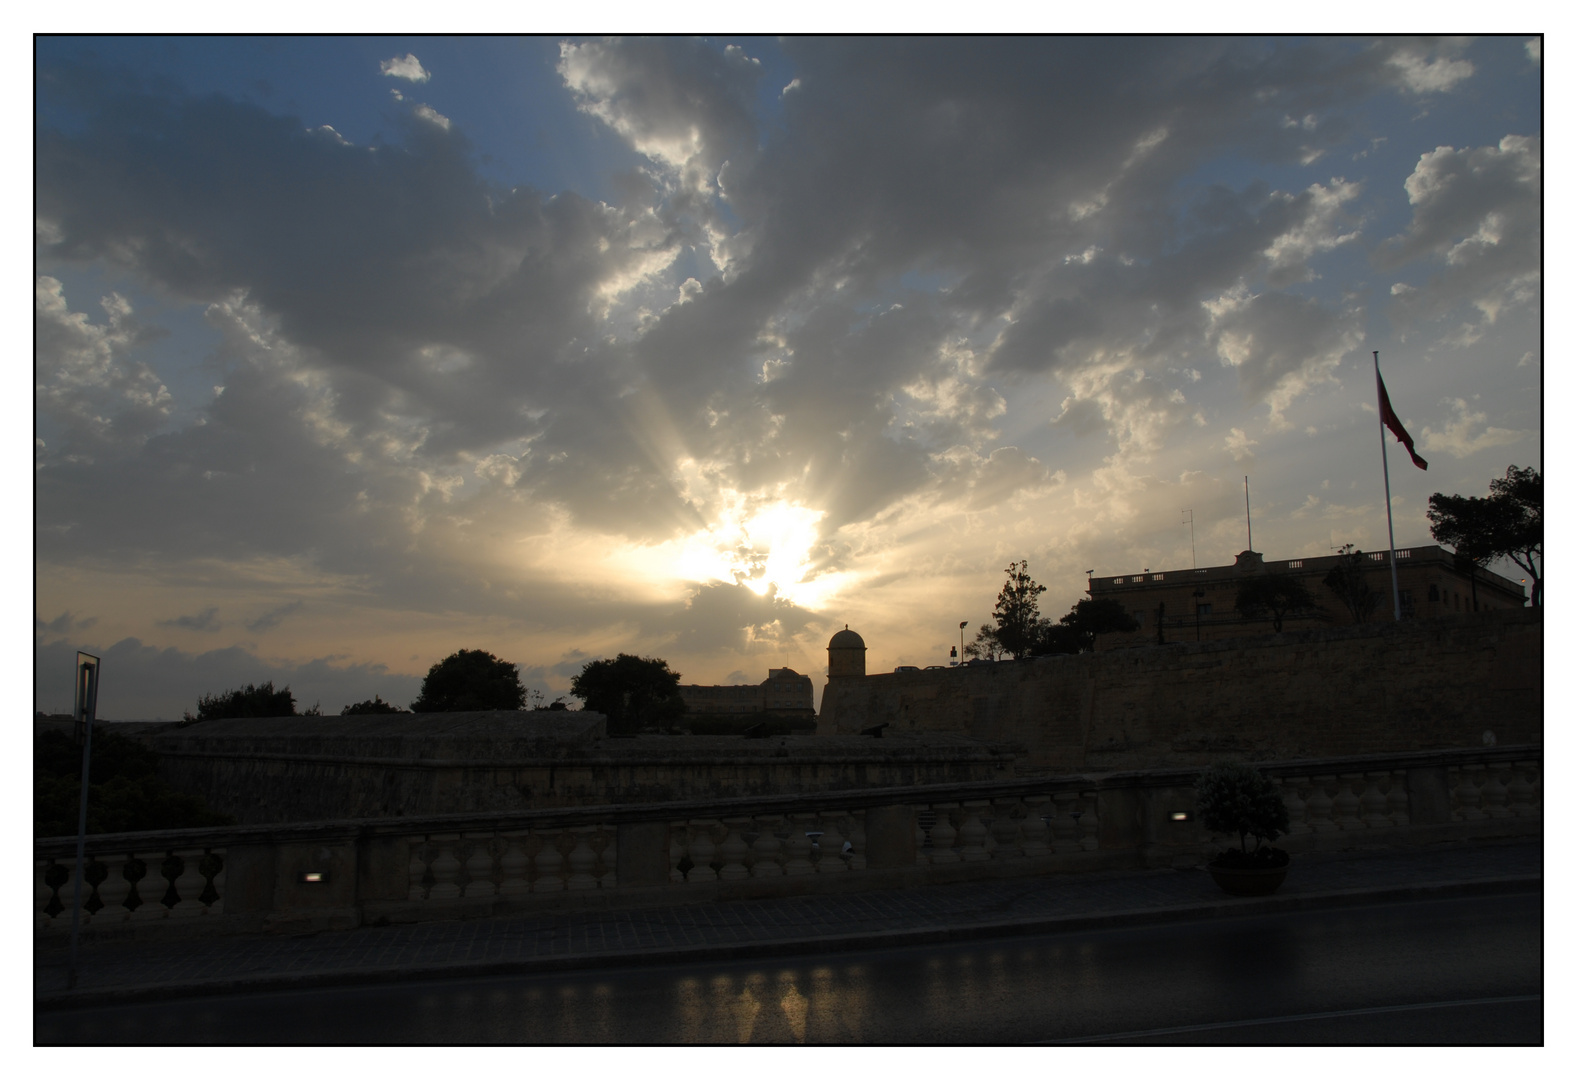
1431	972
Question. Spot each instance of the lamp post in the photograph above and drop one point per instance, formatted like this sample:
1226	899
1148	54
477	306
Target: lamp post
961	640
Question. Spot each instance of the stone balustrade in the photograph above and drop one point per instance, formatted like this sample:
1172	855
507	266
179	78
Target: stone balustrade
347	873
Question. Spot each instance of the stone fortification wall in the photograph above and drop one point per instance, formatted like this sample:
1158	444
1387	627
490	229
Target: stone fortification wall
1388	687
265	771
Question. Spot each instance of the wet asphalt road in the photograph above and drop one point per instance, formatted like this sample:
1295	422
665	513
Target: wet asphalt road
1432	972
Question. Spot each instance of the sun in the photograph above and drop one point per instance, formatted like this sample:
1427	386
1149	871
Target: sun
765	547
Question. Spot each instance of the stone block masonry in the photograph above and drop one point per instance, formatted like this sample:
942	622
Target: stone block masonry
1453	682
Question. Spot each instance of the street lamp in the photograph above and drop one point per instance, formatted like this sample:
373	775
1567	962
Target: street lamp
961	640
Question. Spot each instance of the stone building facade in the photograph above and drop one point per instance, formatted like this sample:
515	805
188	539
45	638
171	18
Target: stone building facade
1200	605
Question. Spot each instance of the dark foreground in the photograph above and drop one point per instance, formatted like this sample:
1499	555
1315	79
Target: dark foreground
1454	971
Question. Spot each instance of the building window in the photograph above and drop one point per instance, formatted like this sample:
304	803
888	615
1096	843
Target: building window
1434	594
1204	609
1378	556
1294	564
1157	577
1405	553
1117	581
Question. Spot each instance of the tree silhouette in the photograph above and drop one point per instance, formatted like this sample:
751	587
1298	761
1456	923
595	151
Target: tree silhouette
470	680
1273	594
1509	523
1348	581
633	692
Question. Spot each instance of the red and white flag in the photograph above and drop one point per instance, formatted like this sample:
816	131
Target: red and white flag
1389	418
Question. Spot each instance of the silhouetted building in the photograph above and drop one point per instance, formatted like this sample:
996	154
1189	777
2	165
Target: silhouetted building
784	690
1202	604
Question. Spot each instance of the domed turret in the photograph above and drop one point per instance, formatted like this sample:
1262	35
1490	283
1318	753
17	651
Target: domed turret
846	655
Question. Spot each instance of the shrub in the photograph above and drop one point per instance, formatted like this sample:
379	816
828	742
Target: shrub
1232	797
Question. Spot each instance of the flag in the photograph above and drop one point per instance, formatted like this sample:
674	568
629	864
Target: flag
1389	418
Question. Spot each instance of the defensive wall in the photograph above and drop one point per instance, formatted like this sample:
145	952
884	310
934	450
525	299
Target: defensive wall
1385	687
312	768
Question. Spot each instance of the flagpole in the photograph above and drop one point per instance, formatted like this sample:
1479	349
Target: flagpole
1385	466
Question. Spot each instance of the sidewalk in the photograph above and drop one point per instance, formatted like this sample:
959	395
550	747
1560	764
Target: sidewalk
123	972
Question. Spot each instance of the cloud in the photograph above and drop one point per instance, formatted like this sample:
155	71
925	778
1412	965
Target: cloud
405	67
1425	71
273	617
1280	344
1457	438
1238	443
1478	218
205	621
64	623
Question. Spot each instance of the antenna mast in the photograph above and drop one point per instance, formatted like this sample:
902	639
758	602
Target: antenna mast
1189	521
1247	516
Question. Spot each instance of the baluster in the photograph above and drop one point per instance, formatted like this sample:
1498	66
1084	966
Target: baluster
1322	808
143	872
479	869
734	850
678	850
1005	829
93	874
1293	789
514	866
549	863
582	860
797	845
767	848
1464	794
1035	831
189	885
831	844
446	869
48	877
1519	793
703	851
1346	803
213	868
1372	802
417	871
1396	798
972	833
1090	823
854	829
1064	826
606	843
944	836
112	890
1494	792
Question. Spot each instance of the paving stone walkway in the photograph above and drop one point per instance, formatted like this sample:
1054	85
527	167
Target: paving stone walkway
121	970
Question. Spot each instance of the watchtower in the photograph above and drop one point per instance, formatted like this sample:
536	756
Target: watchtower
846	655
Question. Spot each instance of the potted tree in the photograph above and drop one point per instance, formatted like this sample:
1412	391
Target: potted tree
1232	797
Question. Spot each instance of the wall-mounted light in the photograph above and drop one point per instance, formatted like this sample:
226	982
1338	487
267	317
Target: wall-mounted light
313	877
1179	815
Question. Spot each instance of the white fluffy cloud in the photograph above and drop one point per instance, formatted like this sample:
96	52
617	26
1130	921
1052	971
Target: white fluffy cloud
405	67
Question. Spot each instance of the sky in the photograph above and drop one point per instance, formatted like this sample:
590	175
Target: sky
352	352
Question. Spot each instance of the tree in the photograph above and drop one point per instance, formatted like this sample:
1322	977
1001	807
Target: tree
470	680
1018	611
1348	581
377	706
125	792
249	700
1077	630
1509	523
634	692
1275	594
